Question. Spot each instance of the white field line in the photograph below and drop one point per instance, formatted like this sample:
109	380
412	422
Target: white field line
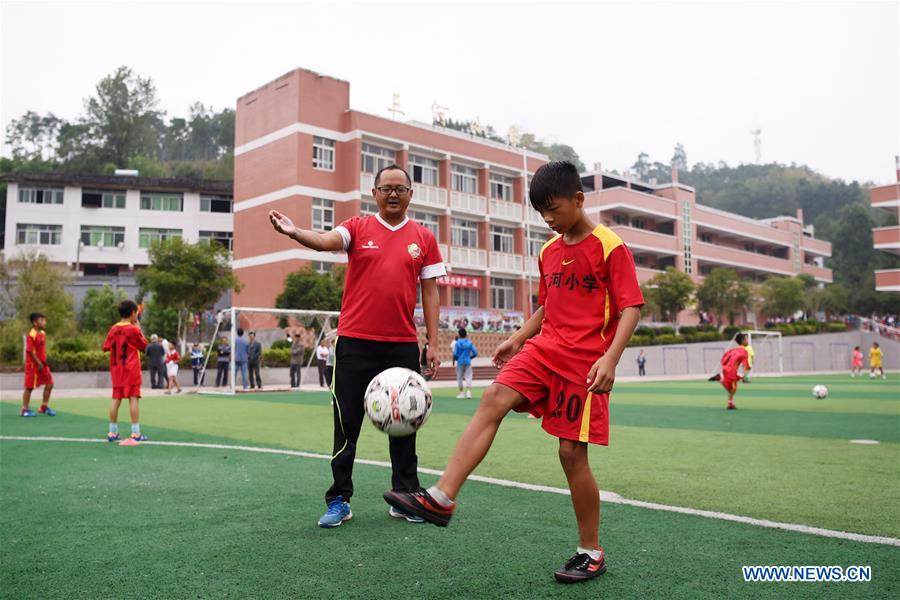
605	496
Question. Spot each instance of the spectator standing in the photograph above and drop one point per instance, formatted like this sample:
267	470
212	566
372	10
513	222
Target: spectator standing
223	362
297	350
197	363
321	357
329	363
463	353
240	356
642	363
254	358
453	346
156	363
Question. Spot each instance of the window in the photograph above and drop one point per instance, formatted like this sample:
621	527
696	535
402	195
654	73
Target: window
322	214
503	293
320	266
216	204
161	201
536	241
620	219
426	219
368	208
224	238
463	179
749	247
103	199
41	195
640	259
705	238
148	235
639	224
686	233
323	153
501	187
501	239
38	235
375	158
464	297
423	170
464	233
100	235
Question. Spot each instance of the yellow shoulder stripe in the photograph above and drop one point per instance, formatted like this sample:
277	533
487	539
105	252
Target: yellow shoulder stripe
608	238
33	333
547	245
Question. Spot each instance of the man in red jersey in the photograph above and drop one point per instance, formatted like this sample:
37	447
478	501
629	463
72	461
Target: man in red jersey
388	255
37	372
560	365
732	360
124	343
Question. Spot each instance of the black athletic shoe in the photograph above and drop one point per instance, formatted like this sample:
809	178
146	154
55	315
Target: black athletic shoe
716	377
420	504
581	567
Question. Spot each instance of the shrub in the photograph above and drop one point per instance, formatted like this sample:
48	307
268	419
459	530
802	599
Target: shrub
834	327
647	332
703	336
669	338
687	330
280	344
640	340
729	331
665	331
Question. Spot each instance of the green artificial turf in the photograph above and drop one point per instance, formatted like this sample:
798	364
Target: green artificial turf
92	520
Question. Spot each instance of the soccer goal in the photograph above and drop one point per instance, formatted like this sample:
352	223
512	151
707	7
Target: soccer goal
270	325
768	355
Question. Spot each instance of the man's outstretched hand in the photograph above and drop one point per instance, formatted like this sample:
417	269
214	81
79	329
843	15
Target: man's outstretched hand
282	223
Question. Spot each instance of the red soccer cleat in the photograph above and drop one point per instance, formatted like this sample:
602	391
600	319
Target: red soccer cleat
422	505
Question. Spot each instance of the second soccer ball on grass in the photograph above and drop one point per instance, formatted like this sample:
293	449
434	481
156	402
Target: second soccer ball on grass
820	392
398	401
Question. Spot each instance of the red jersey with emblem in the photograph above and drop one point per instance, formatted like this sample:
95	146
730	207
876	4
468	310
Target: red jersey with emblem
732	359
385	264
583	289
124	343
35	342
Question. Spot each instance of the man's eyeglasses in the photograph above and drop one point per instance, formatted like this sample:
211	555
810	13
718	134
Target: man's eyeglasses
387	190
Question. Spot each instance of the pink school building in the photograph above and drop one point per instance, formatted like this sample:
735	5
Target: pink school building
301	149
887	239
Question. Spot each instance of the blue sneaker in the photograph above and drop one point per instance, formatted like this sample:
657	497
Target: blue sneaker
139	437
338	512
402	515
112	437
27	413
46	410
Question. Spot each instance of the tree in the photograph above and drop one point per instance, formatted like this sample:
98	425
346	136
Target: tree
160	320
100	309
34	136
679	158
670	291
32	283
724	295
833	299
186	277
783	296
641	167
306	289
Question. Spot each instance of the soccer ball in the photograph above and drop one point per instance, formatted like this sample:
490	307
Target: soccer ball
398	401
820	392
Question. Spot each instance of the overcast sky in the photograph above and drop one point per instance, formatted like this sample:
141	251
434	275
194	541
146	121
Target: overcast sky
822	80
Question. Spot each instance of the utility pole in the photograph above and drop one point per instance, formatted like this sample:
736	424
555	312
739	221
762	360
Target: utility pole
757	144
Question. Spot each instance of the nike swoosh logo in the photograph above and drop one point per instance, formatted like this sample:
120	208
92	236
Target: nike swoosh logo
568	262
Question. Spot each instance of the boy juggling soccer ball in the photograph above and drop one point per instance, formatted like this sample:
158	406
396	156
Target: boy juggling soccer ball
732	360
124	343
560	365
37	372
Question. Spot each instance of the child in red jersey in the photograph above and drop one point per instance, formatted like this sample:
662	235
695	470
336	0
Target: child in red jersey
124	343
857	363
732	360
37	372
172	360
560	365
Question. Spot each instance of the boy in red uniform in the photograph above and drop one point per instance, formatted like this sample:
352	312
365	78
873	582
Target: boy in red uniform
37	372
124	343
731	361
560	365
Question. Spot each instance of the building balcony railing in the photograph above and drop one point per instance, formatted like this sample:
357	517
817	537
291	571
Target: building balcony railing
533	217
815	246
442	248
531	268
502	261
886	196
631	201
741	259
427	195
644	240
819	273
887	280
510	211
887	239
468	258
644	273
472	203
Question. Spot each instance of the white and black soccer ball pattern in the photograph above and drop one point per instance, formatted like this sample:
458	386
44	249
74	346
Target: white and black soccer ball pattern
398	401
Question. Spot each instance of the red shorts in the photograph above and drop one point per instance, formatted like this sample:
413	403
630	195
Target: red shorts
730	382
569	411
128	391
35	379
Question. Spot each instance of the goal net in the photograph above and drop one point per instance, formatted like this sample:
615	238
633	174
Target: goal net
275	329
766	355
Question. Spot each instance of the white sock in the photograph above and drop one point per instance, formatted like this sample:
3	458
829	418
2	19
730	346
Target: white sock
439	496
135	429
594	554
114	428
